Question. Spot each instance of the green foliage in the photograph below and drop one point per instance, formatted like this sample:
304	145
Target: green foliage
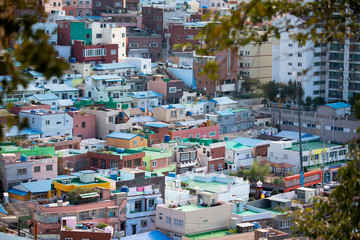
255	172
318	101
308	101
251	199
279	181
274	191
270	90
250	85
74	195
102	225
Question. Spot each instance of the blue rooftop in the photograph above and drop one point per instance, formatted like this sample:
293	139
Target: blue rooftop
156	125
14	131
305	137
225	113
122	135
143	119
144	94
35	74
45	97
38	186
153	235
338	105
2	210
175	106
252	142
17	192
223	100
110	66
107	77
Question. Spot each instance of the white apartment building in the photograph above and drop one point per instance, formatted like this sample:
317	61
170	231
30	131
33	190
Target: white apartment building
50	123
110	34
103	87
332	68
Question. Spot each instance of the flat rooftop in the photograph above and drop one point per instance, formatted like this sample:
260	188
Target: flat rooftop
310	146
221	233
191	207
76	182
210	186
274	212
248	212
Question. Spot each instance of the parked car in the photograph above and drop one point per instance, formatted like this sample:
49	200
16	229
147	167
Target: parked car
333	184
186	66
326	188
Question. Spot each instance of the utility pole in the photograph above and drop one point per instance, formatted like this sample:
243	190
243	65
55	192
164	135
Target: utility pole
280	103
300	144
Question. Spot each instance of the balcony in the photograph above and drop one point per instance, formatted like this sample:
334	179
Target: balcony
184	164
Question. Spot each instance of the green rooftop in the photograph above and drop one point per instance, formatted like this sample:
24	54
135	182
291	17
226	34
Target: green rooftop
207	235
29	151
310	146
274	212
170	168
77	182
154	153
191	207
210	186
318	166
235	145
248	212
201	141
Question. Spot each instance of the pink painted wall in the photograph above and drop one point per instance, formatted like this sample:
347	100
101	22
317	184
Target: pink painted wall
204	132
44	174
90	124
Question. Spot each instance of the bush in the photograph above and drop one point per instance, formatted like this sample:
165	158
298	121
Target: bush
274	191
102	225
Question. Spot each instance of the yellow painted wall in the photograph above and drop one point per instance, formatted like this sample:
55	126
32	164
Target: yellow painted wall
59	187
317	151
123	143
25	198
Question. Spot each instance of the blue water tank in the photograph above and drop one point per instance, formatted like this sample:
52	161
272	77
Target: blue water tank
124	189
167	138
170	106
120	150
121	114
190	113
142	109
113	176
226	138
73	109
23	158
70	138
33	111
72	60
256	225
172	174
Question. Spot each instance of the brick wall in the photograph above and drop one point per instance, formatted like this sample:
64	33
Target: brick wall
77	51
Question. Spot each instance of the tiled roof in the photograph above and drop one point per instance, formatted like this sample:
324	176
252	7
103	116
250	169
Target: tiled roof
121	135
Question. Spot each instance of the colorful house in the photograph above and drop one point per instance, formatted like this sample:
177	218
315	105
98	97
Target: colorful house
126	140
25	192
86	179
157	160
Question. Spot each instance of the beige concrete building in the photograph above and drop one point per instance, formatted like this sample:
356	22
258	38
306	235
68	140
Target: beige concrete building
256	61
110	120
194	216
170	113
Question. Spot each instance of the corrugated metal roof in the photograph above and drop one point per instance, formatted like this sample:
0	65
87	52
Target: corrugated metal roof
17	192
5	236
295	135
157	125
44	97
121	135
38	186
252	142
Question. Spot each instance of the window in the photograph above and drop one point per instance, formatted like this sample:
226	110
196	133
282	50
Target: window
153	44
151	203
47	122
96	52
310	125
135	142
284	224
84	216
189	37
133	45
58	123
118	4
21	171
184	157
154	163
95	161
198	135
211	167
178	222
111	119
137	162
83	124
113	52
168	220
299	64
98	35
87	36
305	158
37	169
138	206
181	112
98	4
212	134
299	54
143	223
68	239
160	216
49	167
172	89
219	165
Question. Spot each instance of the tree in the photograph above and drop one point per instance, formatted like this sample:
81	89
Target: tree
308	101
256	172
270	90
274	191
250	85
318	101
32	49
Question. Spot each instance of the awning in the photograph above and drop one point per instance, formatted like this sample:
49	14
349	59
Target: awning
89	195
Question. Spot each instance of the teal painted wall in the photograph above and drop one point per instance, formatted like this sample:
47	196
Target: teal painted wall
79	32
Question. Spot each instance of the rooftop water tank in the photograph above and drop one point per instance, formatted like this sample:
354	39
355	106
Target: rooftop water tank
121	114
172	174
120	150
113	176
23	158
124	189
159	201
72	60
167	138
